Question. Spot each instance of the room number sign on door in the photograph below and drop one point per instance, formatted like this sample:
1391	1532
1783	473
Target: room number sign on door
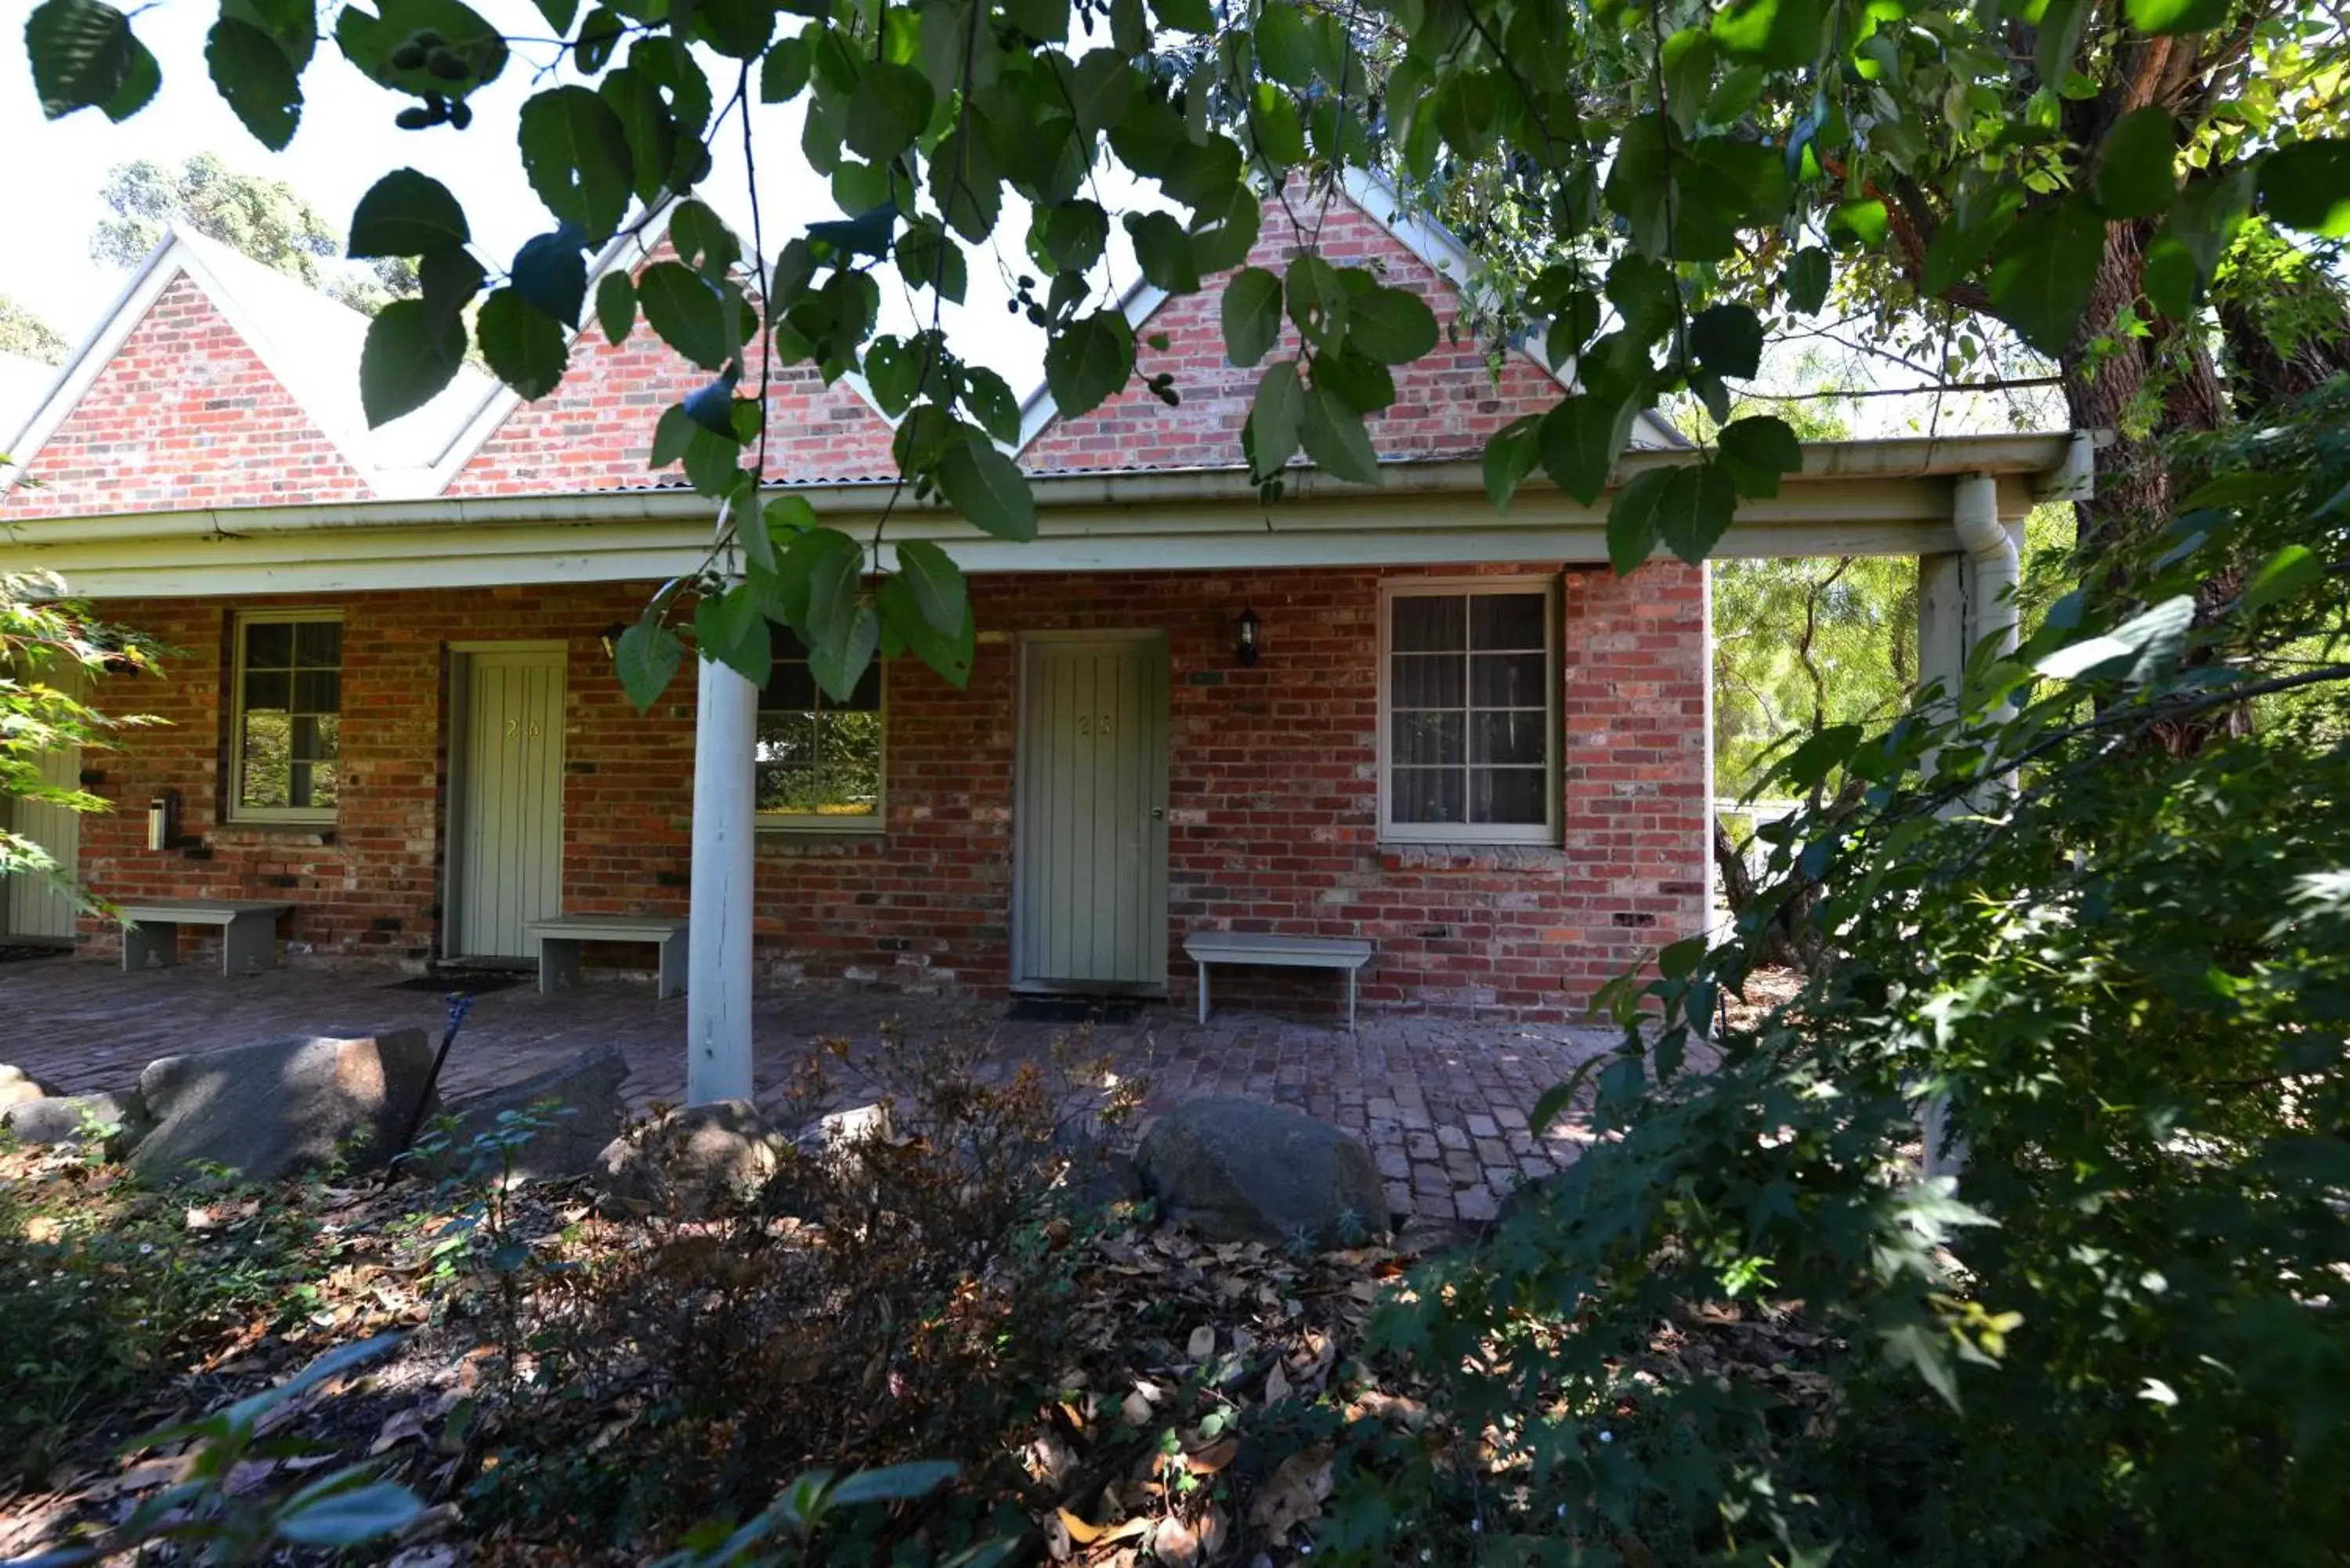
513	729
1088	725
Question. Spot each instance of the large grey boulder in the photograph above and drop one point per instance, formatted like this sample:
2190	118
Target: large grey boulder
578	1109
68	1118
1243	1170
17	1085
693	1160
267	1111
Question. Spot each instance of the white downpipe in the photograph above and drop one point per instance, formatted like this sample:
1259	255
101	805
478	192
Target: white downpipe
718	944
1995	566
1998	565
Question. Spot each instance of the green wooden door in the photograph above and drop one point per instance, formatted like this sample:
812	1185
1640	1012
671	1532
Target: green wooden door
508	838
34	909
1090	839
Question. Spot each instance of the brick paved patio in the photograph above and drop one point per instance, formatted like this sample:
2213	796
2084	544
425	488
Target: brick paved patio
1441	1102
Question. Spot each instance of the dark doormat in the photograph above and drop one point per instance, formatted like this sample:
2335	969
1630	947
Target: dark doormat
1107	1009
472	981
25	952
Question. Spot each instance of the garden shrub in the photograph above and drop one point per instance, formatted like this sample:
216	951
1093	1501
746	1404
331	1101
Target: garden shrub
2105	921
893	1296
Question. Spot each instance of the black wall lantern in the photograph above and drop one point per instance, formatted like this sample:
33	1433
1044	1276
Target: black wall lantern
1247	648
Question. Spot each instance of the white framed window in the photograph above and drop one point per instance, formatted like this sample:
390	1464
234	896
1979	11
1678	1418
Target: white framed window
286	721
1468	722
819	761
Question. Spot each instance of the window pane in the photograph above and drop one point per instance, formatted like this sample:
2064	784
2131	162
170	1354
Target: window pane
1428	795
787	790
1425	680
789	685
1509	681
269	644
849	757
1426	739
1427	622
317	642
1517	738
266	747
786	740
328	730
318	691
1508	795
269	689
1506	620
323	776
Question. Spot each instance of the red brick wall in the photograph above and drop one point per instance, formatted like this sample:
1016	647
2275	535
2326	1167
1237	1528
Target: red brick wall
1272	792
184	416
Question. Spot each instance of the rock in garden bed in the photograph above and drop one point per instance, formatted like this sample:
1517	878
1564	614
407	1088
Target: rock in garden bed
577	1109
272	1110
1243	1170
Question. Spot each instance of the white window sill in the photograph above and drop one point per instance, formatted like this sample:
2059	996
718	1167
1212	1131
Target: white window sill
1417	855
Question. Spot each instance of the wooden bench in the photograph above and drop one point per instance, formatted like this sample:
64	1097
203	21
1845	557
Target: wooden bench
1289	953
559	942
150	929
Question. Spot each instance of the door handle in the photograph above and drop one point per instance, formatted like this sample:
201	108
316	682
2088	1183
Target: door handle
1157	814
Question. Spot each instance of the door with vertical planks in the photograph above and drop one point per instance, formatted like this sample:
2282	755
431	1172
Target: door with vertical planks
508	834
34	909
1090	833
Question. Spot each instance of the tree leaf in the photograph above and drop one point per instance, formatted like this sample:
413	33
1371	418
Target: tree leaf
893	1483
1632	520
1361	382
893	372
1101	87
81	54
838	663
1274	417
1782	34
2284	573
989	490
2135	173
551	273
1511	454
2040	284
1334	437
731	629
1163	251
1283	52
646	123
1757	449
887	111
1251	313
936	584
575	152
256	79
409	355
682	305
1089	362
1318	300
783	74
406	214
992	404
647	661
347	1517
1393	325
1580	438
1695	510
616	306
2177	15
1807	280
1728	341
523	345
2306	186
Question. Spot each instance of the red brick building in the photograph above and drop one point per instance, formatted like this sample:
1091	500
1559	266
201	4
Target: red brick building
391	703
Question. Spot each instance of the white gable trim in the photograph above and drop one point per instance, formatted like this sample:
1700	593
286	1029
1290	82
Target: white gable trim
96	351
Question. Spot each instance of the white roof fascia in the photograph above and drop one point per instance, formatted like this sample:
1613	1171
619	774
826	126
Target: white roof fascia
96	351
1443	250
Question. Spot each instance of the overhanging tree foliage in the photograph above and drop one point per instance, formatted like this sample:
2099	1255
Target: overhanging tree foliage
2074	168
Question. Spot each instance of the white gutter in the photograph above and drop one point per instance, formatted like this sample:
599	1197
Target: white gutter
1978	457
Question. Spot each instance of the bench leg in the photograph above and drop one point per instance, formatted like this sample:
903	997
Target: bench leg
670	980
249	943
157	939
558	964
1203	990
1350	1000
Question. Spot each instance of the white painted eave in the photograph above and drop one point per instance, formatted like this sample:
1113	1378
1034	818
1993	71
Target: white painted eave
1884	498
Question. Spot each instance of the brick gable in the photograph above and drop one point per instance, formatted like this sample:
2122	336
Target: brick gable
1446	403
185	415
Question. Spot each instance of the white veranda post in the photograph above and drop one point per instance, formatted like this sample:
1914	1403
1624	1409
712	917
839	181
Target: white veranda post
725	818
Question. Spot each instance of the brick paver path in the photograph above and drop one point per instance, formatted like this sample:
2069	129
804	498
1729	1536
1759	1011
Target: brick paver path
1441	1102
